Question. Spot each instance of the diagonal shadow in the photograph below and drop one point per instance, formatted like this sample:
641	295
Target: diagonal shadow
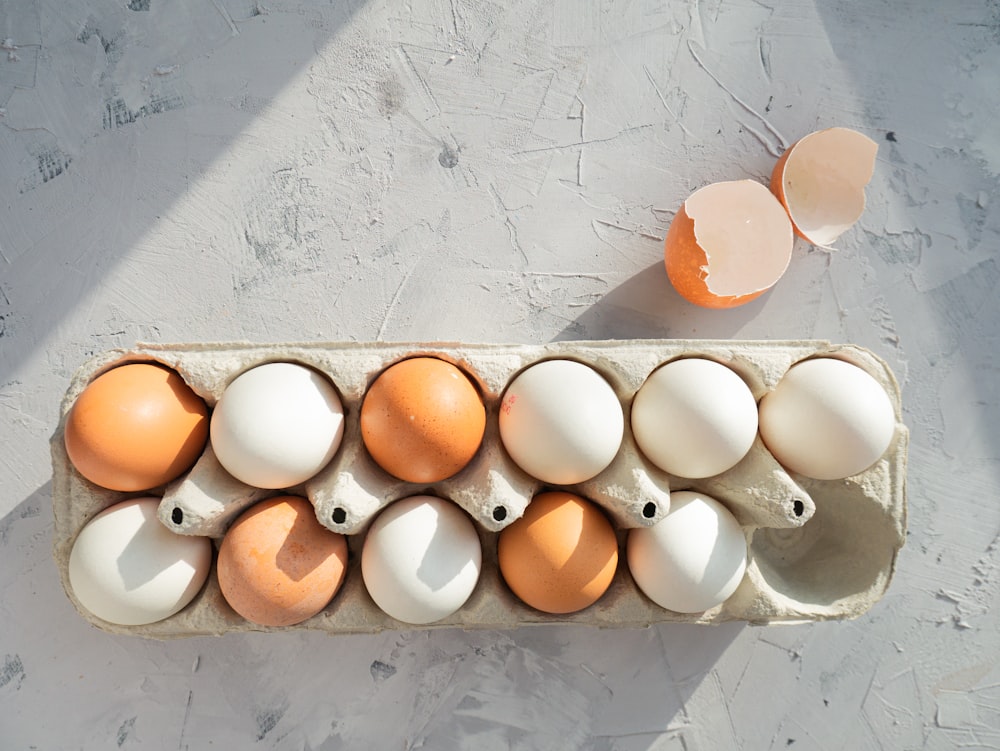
29	577
83	89
935	229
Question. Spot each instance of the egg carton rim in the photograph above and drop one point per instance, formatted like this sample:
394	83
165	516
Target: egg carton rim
719	349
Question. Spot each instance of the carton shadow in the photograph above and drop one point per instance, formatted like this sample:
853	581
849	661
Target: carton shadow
577	686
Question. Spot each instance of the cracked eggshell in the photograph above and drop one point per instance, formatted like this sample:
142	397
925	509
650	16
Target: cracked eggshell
728	244
821	180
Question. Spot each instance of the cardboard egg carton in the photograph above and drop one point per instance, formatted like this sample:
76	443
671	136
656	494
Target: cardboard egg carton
818	550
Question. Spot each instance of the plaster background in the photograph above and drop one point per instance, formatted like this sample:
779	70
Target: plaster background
477	171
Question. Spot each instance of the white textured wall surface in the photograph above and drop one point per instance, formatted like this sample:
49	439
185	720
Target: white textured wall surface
178	170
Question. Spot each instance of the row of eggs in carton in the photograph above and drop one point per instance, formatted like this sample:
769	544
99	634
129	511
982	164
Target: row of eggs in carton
400	461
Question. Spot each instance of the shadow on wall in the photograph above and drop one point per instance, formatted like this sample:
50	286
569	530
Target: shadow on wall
939	172
81	86
646	306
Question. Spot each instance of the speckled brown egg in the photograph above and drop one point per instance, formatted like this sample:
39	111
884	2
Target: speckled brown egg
278	565
422	420
561	556
136	427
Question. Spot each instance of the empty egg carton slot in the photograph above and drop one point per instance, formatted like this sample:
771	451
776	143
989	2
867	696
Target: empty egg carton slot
812	548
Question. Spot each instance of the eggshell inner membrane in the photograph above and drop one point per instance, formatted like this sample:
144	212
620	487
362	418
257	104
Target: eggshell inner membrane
745	234
821	180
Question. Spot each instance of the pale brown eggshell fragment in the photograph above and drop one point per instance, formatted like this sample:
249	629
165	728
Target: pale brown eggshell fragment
821	179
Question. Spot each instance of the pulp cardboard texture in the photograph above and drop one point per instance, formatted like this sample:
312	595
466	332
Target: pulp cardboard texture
819	550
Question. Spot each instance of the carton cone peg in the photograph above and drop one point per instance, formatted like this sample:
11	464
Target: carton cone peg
206	500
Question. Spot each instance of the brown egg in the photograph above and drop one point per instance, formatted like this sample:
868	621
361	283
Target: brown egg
135	427
422	420
278	565
561	556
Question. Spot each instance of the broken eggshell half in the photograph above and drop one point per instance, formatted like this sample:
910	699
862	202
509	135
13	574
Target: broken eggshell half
821	180
728	244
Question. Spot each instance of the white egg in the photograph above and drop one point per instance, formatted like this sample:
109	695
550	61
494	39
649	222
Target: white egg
561	422
421	559
127	568
693	559
694	418
277	425
827	419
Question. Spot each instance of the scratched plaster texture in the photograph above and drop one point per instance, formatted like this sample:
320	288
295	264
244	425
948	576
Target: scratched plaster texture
487	171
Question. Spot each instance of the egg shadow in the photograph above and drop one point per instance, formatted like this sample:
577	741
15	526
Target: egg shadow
44	288
136	567
297	559
442	562
646	306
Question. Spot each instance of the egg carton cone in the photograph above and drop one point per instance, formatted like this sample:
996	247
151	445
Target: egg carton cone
817	550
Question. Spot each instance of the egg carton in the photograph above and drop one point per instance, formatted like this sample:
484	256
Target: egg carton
818	550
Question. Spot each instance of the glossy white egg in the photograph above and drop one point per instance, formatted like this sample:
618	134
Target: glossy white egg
277	425
127	568
827	419
694	418
561	422
691	560
421	559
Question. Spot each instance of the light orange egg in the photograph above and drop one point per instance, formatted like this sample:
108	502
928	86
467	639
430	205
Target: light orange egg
422	420
136	427
561	556
728	244
278	565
